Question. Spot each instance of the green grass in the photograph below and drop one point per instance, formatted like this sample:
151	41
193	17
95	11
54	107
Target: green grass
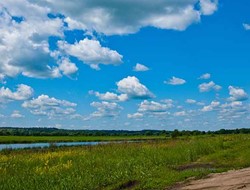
146	165
34	139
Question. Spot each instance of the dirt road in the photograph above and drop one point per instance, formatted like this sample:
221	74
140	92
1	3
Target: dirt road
232	180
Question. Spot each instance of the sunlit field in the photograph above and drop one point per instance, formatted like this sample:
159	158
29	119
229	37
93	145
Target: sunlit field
148	165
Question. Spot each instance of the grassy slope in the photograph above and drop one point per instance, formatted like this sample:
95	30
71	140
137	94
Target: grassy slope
33	139
147	165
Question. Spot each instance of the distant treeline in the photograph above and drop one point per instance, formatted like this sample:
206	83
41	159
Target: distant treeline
9	131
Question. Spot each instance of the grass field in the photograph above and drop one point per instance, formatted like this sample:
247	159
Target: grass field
148	165
34	139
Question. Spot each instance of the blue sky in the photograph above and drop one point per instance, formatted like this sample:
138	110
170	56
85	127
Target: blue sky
133	65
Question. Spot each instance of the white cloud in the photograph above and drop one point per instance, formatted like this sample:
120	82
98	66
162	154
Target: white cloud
246	26
110	96
211	107
129	88
191	101
124	17
180	113
23	92
26	28
206	87
133	88
67	67
140	68
175	81
205	76
168	102
16	114
233	110
52	107
152	106
208	7
106	109
237	94
91	53
24	47
135	115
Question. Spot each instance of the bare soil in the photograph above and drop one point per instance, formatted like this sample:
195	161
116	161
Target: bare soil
231	180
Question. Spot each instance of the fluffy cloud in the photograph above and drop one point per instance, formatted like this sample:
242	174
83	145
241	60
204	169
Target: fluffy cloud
67	67
180	113
124	17
91	53
233	110
110	96
135	115
237	94
246	26
206	87
47	106
140	68
133	88
129	88
208	7
175	81
27	25
152	106
168	102
23	92
205	76
211	107
16	114
191	101
24	47
106	109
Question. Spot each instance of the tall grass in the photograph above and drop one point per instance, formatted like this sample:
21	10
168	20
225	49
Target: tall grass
147	165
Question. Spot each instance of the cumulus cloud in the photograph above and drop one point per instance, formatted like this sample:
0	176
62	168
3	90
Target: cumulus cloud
180	113
16	114
26	27
175	81
91	53
49	106
191	101
133	88
106	109
206	87
67	67
124	17
23	92
135	115
24	47
246	26
140	68
205	76
237	94
129	88
168	102
110	96
208	7
213	105
194	102
152	106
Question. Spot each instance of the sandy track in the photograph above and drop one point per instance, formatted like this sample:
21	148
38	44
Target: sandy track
232	180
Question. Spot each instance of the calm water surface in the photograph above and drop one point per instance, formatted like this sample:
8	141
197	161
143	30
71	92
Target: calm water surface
44	145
